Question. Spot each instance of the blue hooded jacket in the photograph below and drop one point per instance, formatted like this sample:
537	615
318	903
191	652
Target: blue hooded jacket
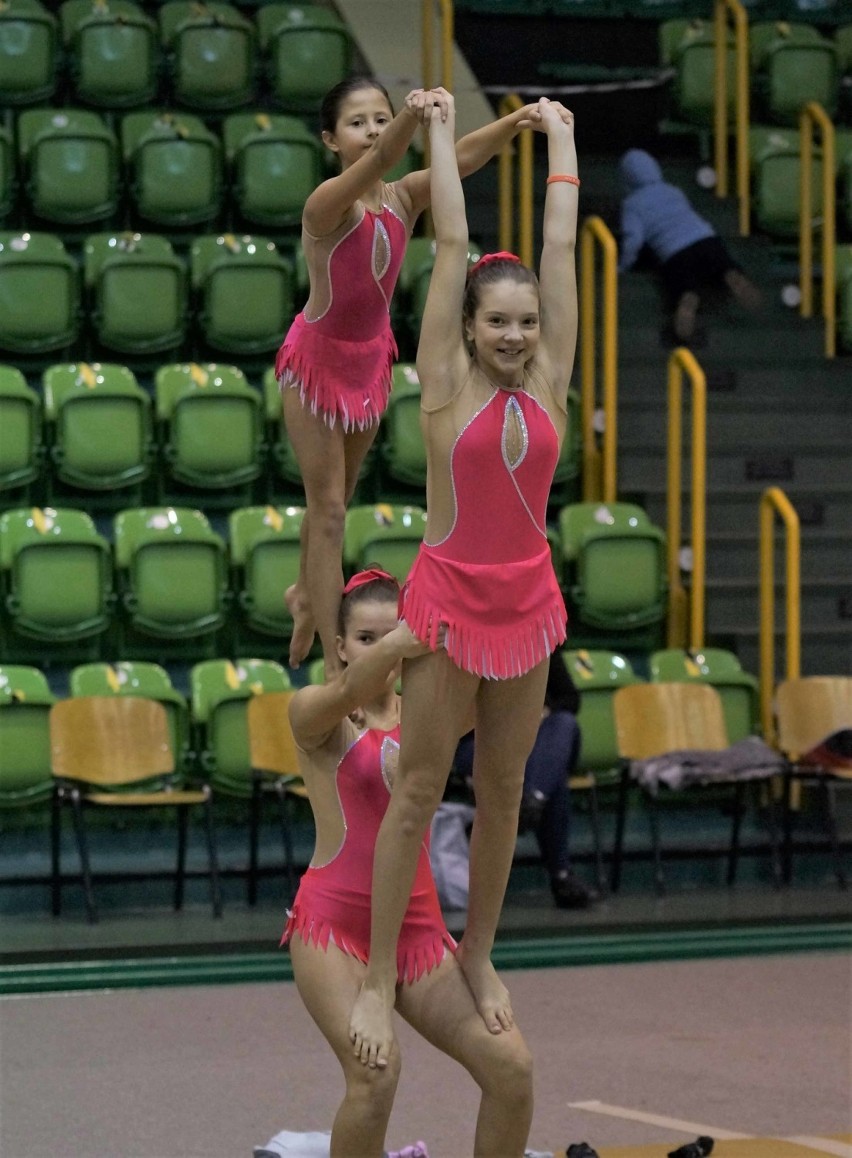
654	213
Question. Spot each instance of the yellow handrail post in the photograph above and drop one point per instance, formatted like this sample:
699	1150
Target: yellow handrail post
447	34
814	115
741	104
599	481
682	362
506	177
774	501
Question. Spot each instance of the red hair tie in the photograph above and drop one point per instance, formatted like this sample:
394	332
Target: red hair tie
368	576
486	258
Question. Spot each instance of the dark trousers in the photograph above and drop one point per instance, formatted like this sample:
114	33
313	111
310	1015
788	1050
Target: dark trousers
553	758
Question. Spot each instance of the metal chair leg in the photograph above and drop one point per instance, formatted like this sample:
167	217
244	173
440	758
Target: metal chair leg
254	837
55	852
620	819
180	872
654	821
736	823
829	796
83	850
595	822
774	844
212	856
788	828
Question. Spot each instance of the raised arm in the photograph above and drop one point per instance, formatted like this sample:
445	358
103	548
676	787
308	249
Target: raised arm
327	207
557	273
316	710
441	356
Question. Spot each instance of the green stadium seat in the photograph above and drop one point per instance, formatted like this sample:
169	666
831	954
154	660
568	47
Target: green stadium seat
140	678
283	466
98	425
722	670
615	565
210	425
244	292
210	49
29	52
307	49
137	292
265	550
791	65
25	703
68	162
57	582
113	52
776	179
275	163
39	294
384	534
402	450
688	46
174	167
20	435
172	576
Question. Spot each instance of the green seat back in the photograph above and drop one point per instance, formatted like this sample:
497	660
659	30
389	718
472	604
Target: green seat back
402	446
172	571
7	174
211	50
69	159
276	163
721	669
25	763
283	455
39	295
212	424
45	552
615	564
688	46
385	534
175	164
29	42
597	676
308	49
776	174
20	430
246	291
265	550
138	289
113	52
793	64
220	691
100	421
570	459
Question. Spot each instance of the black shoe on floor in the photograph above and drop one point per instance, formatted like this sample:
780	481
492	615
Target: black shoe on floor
569	892
698	1149
581	1150
531	811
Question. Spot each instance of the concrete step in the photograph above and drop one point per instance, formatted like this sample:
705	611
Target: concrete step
740	417
736	555
824	651
765	384
735	509
772	463
826	603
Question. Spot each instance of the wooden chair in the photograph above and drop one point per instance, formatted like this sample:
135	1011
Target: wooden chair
656	718
114	752
275	768
808	711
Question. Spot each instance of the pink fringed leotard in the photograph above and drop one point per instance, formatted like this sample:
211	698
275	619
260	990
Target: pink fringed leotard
339	350
489	578
333	899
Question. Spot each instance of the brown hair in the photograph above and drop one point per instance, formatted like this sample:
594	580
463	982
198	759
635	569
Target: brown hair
333	100
488	271
379	590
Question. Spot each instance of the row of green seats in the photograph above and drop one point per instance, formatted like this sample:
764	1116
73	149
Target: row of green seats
68	166
790	64
169	584
202	55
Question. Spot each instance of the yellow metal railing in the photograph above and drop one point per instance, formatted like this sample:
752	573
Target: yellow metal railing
524	180
682	363
428	43
813	116
722	9
774	502
598	470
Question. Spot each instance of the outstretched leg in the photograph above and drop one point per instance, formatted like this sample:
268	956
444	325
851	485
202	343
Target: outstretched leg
508	713
440	1006
330	461
437	698
328	982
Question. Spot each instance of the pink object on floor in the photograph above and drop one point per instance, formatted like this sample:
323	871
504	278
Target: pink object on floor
418	1150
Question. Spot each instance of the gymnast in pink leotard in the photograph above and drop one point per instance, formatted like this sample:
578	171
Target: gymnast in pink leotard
335	363
349	770
494	361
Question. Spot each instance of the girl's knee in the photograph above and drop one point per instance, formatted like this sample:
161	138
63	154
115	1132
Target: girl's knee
375	1089
508	1071
328	516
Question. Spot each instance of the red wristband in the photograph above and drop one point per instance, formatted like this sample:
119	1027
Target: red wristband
567	177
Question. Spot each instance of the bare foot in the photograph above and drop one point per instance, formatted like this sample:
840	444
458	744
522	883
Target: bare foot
744	291
371	1028
490	994
303	624
685	315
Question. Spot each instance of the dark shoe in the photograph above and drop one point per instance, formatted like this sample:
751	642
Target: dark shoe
532	809
698	1149
569	892
581	1150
